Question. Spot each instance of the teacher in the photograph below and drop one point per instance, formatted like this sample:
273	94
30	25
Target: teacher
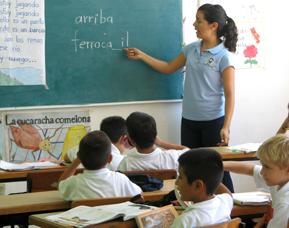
209	92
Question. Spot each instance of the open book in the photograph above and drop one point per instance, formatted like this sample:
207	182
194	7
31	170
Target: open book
25	166
246	147
82	216
252	198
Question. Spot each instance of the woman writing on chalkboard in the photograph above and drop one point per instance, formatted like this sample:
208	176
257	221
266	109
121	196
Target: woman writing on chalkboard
209	93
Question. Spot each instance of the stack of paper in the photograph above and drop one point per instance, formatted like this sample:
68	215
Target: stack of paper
247	147
25	166
252	198
82	216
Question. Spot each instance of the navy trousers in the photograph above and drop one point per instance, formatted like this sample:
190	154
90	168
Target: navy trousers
196	134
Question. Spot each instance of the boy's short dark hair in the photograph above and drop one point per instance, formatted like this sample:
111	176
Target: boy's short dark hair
114	127
203	164
141	129
94	149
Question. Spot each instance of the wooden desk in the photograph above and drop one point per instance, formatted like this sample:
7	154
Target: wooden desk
239	211
39	220
50	200
32	202
10	176
228	154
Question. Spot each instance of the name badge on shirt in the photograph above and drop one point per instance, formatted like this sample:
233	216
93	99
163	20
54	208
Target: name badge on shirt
210	62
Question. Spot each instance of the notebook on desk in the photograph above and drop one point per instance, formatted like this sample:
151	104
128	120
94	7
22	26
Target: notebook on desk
8	166
252	198
246	147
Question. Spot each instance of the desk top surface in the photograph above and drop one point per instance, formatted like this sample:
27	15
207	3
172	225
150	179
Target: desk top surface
40	220
22	174
51	200
226	153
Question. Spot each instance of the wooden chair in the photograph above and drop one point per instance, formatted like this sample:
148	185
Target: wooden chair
44	180
163	174
234	223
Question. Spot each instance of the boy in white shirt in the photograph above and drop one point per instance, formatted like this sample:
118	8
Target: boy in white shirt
273	175
96	181
115	128
142	134
200	175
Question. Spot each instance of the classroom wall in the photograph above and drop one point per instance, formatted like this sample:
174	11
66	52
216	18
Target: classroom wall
262	96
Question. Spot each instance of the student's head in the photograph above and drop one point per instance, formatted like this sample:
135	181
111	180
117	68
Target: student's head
95	150
200	172
274	157
141	129
114	127
214	18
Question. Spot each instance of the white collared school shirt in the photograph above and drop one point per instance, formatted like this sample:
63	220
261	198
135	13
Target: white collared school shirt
158	159
213	211
97	184
280	200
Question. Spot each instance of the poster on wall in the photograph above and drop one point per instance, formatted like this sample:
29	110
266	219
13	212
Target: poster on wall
249	18
41	136
22	42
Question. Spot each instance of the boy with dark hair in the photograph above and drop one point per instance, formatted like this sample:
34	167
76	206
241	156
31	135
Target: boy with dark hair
96	180
142	134
115	128
200	175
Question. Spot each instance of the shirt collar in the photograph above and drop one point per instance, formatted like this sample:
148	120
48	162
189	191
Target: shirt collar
215	50
98	171
114	149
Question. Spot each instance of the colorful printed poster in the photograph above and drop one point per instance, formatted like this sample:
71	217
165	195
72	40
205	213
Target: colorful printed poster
38	136
249	18
22	42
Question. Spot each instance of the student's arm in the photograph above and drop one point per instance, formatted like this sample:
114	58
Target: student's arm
168	146
66	158
239	167
229	91
157	64
70	170
284	127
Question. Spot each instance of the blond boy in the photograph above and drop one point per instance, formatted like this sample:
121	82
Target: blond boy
273	175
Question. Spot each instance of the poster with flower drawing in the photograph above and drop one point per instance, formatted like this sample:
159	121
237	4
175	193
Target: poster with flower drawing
249	18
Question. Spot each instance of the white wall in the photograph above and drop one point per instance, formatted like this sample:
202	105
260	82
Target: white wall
261	96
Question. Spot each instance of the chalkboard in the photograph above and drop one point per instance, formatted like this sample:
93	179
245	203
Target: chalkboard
84	59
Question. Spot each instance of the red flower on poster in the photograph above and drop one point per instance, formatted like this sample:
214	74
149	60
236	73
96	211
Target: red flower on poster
251	52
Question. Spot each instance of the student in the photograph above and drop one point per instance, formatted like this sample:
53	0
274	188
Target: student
115	128
96	180
273	175
209	94
285	125
200	176
142	134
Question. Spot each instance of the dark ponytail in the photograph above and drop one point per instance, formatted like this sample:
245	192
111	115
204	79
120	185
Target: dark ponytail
226	25
230	35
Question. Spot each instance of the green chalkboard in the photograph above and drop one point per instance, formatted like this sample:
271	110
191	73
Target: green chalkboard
84	59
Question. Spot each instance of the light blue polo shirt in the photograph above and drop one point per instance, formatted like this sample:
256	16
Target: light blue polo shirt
203	89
